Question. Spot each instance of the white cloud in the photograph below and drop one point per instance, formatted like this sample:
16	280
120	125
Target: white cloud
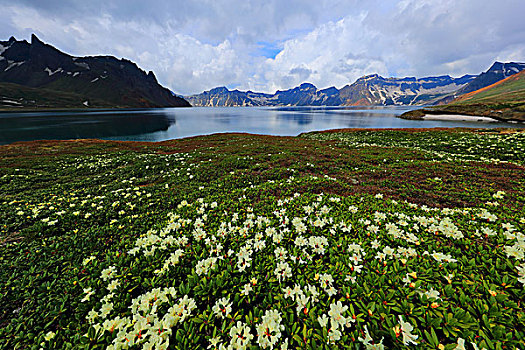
335	53
195	45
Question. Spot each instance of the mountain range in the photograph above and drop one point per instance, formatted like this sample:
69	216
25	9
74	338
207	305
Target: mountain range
370	90
37	75
504	100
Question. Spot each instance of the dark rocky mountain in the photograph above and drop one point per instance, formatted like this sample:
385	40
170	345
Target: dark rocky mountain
497	72
55	79
366	91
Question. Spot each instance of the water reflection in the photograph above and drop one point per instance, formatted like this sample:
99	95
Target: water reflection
172	123
78	125
299	118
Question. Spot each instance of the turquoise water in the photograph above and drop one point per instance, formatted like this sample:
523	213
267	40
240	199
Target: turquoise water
170	123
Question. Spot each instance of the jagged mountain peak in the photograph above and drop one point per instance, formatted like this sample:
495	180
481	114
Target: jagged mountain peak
35	40
307	86
371	89
100	80
369	77
219	90
329	91
497	71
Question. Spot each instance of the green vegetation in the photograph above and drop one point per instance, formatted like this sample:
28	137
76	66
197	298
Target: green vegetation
510	90
504	101
16	97
232	241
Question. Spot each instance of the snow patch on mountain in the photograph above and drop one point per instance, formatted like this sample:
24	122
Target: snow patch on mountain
50	72
82	65
11	64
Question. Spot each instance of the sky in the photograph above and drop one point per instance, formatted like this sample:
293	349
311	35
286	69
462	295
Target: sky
269	45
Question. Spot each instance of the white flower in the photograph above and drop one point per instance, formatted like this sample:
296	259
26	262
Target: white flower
406	329
222	308
461	344
92	315
214	342
87	260
113	285
333	335
499	195
106	309
240	336
336	314
269	331
247	289
323	320
283	271
108	273
368	342
88	292
331	291
280	253
432	293
476	347
50	335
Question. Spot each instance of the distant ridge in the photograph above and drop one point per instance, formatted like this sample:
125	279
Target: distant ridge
497	72
370	90
503	100
37	75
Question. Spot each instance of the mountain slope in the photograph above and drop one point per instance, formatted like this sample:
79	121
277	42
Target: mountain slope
503	100
366	91
98	81
19	96
509	90
498	71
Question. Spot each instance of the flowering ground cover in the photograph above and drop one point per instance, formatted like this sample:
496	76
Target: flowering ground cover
348	239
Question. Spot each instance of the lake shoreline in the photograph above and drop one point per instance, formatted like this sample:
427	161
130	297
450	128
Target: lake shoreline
79	110
94	141
503	115
161	124
460	117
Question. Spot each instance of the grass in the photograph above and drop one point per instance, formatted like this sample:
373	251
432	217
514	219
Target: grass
28	98
328	240
509	90
504	101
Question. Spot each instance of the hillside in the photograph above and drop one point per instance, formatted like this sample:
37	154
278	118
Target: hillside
46	77
497	72
504	100
509	90
19	96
